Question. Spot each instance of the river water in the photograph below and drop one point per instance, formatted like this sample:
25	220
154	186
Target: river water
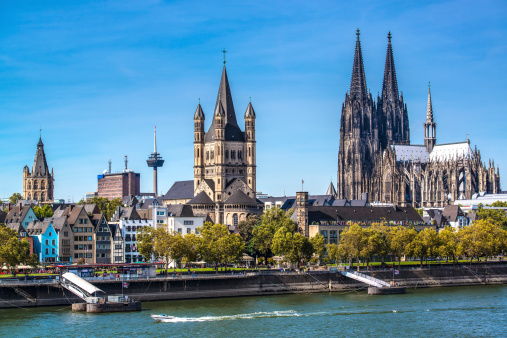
479	311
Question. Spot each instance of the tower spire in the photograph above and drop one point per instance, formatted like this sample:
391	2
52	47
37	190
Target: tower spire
429	109
358	82
390	83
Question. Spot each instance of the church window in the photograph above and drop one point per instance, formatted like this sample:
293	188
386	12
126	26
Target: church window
29	184
207	154
240	154
43	196
249	151
35	185
235	219
43	185
226	154
212	154
218	151
197	152
233	154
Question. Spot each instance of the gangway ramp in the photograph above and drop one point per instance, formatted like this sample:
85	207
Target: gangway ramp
365	279
79	286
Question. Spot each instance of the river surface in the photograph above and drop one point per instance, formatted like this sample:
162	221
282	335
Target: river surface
479	311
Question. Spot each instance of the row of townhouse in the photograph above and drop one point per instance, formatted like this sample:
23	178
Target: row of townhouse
82	234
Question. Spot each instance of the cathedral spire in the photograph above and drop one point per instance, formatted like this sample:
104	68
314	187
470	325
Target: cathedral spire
358	82
429	109
390	84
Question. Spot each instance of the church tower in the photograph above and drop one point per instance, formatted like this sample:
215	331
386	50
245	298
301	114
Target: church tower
38	185
359	135
225	162
430	127
392	112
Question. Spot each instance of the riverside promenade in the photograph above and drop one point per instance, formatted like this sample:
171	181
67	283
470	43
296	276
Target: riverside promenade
46	292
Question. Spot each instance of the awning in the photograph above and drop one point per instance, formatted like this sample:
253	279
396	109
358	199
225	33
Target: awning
247	258
81	283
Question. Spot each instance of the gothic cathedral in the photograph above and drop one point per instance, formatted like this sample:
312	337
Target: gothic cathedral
377	162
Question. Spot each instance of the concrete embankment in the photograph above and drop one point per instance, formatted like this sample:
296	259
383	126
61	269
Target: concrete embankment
186	287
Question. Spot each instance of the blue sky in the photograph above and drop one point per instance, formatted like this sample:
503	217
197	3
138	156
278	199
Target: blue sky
98	75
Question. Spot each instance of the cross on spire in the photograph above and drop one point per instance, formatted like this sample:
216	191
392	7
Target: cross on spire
389	36
224	51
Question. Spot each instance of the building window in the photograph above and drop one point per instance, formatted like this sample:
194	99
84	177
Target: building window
47	251
235	220
50	234
188	222
53	242
66	234
53	251
188	230
179	230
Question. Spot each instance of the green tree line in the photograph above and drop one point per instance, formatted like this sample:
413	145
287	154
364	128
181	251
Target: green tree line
483	238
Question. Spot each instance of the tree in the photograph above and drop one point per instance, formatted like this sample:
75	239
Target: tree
450	246
15	198
375	244
271	220
318	242
145	241
399	238
245	229
483	238
178	247
191	253
293	246
424	245
497	216
233	248
111	207
12	250
43	211
163	241
33	261
217	245
352	242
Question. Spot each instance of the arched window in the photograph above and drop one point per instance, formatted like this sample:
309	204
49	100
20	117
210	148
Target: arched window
42	197
29	184
35	184
235	220
43	184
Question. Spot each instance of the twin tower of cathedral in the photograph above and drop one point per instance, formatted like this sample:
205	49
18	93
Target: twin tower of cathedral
377	162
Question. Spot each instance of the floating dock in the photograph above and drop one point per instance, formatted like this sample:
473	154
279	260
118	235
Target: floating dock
394	290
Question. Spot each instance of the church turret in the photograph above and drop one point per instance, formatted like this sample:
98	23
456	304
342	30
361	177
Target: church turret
198	146
430	127
251	168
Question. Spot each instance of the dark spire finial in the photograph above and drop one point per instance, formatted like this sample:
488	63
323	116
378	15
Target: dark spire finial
429	85
224	51
389	36
357	33
250	99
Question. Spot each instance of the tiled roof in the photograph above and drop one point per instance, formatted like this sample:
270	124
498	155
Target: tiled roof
201	198
180	190
239	197
359	214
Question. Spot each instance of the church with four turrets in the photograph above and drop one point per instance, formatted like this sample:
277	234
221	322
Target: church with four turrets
225	162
